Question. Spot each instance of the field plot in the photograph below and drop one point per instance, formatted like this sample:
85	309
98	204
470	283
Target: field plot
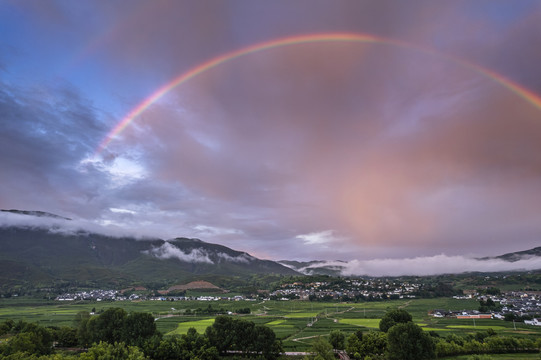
367	323
301	315
199	325
275	323
285	329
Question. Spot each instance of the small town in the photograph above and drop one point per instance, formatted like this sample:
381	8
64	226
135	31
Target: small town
514	305
520	306
347	290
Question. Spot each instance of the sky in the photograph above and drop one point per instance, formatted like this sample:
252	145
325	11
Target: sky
299	130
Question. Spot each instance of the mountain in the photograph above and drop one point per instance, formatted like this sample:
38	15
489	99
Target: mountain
517	256
44	256
35	213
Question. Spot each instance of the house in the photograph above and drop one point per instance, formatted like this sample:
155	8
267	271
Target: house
535	322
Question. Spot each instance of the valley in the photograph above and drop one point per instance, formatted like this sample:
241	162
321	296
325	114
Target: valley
296	323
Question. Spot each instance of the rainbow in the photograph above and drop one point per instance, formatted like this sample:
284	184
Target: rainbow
521	91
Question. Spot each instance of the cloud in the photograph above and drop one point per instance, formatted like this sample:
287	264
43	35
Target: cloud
337	266
387	145
399	151
319	238
206	230
44	132
434	265
422	266
242	258
169	251
70	227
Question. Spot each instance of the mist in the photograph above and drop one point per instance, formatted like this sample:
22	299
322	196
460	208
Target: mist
433	265
70	227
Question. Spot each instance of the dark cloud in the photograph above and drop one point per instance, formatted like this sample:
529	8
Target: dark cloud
45	132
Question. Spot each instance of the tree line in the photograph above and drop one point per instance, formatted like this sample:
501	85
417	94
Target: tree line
115	334
401	339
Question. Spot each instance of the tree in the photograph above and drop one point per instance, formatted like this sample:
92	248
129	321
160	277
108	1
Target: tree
137	328
108	326
322	349
198	346
6	326
66	336
221	334
185	347
353	346
33	339
265	342
84	337
373	343
106	351
337	340
393	317
407	341
240	335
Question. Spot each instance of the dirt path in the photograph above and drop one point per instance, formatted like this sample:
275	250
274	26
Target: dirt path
307	337
406	304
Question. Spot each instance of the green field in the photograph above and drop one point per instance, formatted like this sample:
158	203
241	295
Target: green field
296	323
200	326
367	323
301	315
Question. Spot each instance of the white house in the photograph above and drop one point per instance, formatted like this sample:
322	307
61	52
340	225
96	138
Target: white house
535	322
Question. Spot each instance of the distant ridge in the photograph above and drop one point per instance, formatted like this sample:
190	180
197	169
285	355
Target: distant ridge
35	213
516	256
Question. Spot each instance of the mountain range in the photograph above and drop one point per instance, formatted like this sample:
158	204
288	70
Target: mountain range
50	255
41	255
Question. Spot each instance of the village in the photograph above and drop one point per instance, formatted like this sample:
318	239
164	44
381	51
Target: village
116	295
346	290
512	306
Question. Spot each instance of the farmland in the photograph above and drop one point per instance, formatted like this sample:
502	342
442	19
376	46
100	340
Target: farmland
296	323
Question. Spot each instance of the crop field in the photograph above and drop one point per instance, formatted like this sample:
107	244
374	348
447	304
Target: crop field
367	323
199	325
296	323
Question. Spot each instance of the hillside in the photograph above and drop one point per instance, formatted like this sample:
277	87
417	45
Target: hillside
43	257
518	255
